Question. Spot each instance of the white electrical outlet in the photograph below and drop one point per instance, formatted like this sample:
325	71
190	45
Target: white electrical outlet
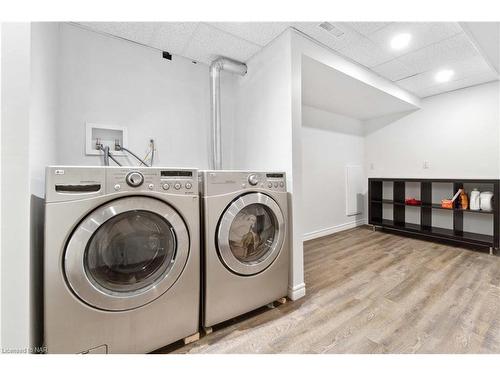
372	166
426	164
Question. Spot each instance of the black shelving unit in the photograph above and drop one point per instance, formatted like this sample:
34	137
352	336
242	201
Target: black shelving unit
426	229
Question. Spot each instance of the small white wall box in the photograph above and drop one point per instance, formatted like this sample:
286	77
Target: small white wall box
354	189
107	134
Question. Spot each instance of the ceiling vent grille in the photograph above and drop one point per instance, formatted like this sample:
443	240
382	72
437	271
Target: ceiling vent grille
327	26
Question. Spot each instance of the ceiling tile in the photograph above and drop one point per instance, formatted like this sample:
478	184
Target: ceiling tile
141	32
435	45
313	30
365	52
259	33
208	43
458	84
439	54
423	34
471	66
474	66
393	70
366	28
417	82
173	36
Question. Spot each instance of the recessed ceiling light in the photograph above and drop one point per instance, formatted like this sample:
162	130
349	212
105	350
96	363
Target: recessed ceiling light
400	41
444	75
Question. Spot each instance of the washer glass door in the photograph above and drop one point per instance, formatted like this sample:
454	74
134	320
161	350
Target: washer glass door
130	251
126	253
251	234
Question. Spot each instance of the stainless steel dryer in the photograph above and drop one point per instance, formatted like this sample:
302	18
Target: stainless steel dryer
121	260
245	242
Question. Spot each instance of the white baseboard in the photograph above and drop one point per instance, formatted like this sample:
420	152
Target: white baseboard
296	292
334	229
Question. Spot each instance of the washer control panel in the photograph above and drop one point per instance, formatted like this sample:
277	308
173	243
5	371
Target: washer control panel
171	181
220	182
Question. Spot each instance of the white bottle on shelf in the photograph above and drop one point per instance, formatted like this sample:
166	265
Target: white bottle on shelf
486	201
474	200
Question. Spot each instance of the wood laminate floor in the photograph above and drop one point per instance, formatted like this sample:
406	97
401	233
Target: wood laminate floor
374	292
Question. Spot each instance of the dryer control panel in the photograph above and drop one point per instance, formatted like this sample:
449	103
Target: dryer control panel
171	181
220	182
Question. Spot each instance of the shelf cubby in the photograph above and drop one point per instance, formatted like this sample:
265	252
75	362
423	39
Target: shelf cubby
433	221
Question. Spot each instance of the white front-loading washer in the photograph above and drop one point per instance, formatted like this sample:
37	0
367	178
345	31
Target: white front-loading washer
246	250
121	259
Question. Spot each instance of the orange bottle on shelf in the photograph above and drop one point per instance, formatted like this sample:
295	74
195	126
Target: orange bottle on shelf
464	200
450	203
447	203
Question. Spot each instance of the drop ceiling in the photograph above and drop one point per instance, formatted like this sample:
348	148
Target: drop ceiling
434	46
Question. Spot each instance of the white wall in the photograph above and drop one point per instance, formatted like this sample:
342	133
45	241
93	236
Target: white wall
43	101
263	134
44	104
1	197
458	133
15	230
112	81
29	117
330	142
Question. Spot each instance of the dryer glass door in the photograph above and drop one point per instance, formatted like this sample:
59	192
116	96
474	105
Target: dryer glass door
126	253
251	234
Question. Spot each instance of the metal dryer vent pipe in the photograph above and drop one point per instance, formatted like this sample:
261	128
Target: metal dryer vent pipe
216	66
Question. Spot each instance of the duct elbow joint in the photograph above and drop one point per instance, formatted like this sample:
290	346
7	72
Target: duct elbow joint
223	63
